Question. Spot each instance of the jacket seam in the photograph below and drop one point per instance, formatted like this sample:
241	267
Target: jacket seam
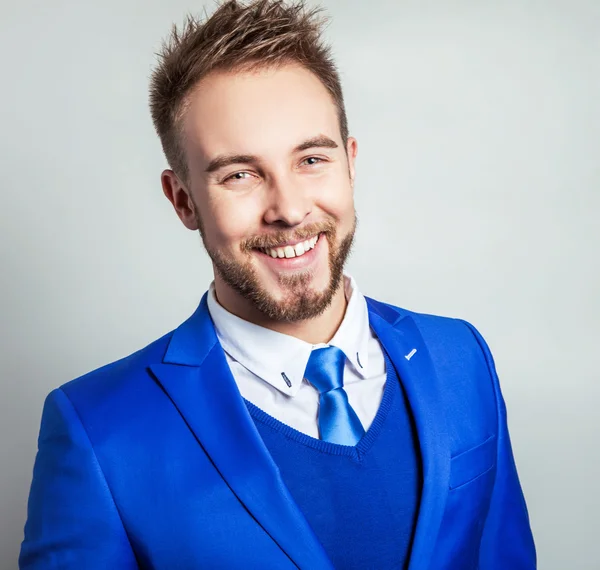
492	376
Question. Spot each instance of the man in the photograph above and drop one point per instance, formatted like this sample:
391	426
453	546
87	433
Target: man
289	422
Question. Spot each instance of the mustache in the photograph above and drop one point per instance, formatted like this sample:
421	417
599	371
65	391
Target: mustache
279	238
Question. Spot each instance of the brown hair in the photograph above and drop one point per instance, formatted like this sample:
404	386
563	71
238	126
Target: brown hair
237	36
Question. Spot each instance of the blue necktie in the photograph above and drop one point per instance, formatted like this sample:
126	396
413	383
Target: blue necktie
338	422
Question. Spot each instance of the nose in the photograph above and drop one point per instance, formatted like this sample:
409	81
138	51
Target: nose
288	203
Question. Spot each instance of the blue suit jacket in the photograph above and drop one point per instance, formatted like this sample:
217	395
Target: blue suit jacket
154	462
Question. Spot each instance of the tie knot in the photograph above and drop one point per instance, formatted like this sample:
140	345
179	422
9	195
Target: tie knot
325	368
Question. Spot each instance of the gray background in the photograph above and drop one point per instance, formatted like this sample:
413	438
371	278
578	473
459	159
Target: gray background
477	191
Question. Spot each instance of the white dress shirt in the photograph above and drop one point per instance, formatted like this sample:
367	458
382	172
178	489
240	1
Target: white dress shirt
260	357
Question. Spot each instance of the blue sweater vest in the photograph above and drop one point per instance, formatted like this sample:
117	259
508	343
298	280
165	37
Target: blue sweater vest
361	501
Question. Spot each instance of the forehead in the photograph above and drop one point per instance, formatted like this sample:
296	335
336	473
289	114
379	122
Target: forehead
264	111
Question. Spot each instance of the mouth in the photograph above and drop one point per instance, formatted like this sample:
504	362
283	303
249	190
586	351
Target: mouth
289	251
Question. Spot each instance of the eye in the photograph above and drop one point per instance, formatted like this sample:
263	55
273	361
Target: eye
238	177
312	160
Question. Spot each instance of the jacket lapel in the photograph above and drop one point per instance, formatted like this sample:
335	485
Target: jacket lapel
402	340
195	375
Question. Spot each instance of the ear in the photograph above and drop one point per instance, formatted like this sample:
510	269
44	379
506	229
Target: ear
177	193
351	152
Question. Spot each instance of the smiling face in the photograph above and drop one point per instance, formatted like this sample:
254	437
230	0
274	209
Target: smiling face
270	189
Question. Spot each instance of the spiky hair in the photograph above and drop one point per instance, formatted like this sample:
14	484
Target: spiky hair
236	37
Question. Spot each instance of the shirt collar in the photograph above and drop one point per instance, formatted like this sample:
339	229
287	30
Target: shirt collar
281	359
352	336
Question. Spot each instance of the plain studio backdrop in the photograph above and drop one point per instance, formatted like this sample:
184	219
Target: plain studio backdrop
478	194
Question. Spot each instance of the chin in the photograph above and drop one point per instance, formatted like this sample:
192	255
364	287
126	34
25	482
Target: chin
294	297
296	283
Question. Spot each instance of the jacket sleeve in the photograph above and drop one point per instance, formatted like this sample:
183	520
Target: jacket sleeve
507	540
72	520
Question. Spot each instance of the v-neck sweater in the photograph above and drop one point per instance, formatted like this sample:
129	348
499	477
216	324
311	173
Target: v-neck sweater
361	501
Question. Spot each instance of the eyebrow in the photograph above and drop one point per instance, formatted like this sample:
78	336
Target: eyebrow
224	160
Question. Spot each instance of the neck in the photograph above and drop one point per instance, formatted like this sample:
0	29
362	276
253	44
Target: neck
319	329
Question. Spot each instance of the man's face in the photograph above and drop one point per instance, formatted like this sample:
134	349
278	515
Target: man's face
271	186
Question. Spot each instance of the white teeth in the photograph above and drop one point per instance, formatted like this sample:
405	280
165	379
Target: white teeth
292	250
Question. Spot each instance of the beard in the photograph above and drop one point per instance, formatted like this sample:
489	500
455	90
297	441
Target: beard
299	301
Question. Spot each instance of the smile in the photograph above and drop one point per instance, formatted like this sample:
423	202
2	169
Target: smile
288	251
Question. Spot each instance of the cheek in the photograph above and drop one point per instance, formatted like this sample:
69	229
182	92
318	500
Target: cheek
229	221
337	198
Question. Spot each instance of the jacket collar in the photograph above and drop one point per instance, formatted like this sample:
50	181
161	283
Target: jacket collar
196	377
